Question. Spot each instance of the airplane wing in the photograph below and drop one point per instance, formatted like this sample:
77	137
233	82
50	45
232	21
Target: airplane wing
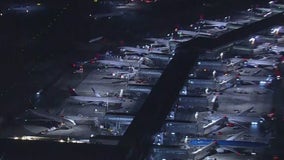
119	64
159	41
187	32
110	62
245	112
232	138
235	136
232	150
216	23
138	51
96	99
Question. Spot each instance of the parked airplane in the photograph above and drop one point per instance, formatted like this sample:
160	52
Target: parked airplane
162	41
124	63
260	63
194	33
140	51
238	119
125	75
273	4
215	23
219	121
241	22
261	80
229	144
279	50
93	99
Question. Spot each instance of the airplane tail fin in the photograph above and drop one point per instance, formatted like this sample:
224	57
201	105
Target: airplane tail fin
72	91
95	93
121	93
140	62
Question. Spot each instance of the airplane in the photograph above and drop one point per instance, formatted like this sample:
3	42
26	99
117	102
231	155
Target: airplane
166	41
124	75
124	63
276	30
210	24
229	144
162	41
215	23
181	39
160	60
63	121
238	119
93	99
268	11
235	24
279	50
213	26
261	40
259	12
159	47
241	21
272	4
194	33
260	63
140	51
249	14
218	121
256	79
